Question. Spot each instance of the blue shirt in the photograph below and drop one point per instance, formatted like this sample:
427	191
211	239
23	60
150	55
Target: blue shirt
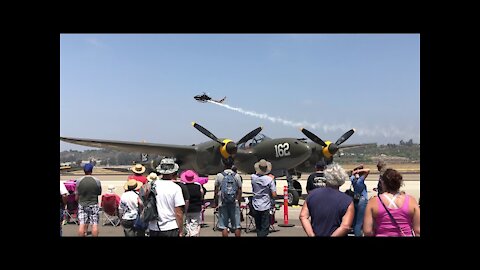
262	188
359	186
327	206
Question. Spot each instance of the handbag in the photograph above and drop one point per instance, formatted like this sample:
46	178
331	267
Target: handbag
349	191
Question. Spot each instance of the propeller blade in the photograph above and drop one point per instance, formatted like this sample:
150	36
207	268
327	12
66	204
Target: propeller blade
250	135
313	137
206	132
345	136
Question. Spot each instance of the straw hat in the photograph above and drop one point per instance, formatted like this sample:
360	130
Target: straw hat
263	167
132	184
152	176
138	168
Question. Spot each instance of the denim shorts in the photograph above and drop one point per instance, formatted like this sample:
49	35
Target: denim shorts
229	214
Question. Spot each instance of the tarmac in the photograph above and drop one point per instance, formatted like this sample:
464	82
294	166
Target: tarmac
411	187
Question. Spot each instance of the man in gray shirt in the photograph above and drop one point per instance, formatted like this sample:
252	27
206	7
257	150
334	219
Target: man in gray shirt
87	191
228	213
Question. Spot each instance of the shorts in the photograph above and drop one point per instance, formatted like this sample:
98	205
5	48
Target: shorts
229	214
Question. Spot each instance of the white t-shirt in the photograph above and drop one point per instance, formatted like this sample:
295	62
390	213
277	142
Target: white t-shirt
169	196
63	189
129	205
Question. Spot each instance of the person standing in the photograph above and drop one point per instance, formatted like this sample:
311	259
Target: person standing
264	189
170	202
316	179
138	170
129	208
404	210
331	211
195	190
143	194
360	197
381	167
63	203
229	213
152	177
86	193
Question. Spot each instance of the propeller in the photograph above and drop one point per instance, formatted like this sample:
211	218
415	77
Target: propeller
229	147
250	135
329	148
206	133
345	136
313	137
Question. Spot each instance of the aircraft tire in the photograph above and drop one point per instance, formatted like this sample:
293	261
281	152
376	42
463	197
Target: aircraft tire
293	197
297	186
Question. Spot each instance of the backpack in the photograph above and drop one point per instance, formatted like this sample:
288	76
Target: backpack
229	188
149	212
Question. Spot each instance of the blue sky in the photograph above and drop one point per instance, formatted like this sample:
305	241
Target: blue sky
140	87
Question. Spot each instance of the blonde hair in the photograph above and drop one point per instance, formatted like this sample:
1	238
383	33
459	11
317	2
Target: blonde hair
335	175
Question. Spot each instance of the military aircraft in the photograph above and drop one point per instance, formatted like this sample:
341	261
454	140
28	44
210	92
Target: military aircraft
69	167
204	98
288	156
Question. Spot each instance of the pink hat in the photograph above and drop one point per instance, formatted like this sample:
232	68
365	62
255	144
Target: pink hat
202	180
189	176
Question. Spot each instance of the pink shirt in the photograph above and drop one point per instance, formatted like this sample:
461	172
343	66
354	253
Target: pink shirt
384	224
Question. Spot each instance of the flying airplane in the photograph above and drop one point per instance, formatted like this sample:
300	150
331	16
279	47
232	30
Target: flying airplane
204	98
289	156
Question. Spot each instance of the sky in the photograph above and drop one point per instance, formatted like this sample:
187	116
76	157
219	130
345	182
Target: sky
140	87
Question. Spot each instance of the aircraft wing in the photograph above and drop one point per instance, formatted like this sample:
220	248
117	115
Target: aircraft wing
350	146
142	147
65	169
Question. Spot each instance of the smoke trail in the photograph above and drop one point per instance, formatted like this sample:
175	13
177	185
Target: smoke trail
361	131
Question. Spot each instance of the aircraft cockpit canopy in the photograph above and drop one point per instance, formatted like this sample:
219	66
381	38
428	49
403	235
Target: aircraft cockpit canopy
257	139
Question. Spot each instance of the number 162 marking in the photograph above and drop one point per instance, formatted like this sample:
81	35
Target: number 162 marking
282	150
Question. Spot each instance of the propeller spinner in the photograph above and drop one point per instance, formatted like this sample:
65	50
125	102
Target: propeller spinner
329	148
229	147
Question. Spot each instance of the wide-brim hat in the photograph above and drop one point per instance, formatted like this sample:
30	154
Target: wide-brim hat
189	176
263	167
167	166
138	168
152	176
132	184
202	180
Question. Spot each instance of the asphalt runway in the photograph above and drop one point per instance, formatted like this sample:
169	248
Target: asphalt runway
411	187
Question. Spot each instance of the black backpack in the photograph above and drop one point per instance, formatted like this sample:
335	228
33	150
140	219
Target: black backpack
149	212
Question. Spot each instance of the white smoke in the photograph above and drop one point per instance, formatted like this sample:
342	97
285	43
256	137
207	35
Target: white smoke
390	132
